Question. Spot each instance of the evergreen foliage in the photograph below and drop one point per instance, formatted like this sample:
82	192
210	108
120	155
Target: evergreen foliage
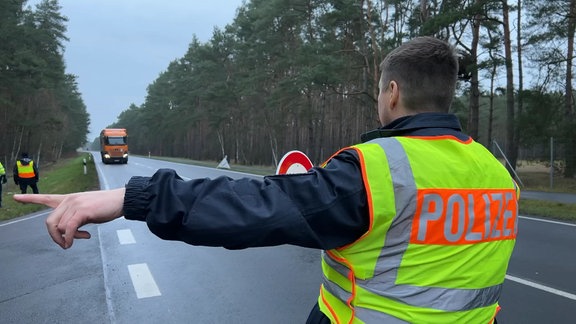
41	110
302	74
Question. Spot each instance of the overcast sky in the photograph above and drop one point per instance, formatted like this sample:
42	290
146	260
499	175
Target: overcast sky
118	47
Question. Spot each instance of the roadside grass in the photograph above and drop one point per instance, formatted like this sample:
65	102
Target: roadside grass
536	177
540	181
66	176
547	209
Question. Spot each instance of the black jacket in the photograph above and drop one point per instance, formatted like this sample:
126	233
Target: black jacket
325	208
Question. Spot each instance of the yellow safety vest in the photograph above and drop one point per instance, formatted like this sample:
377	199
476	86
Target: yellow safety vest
2	171
25	171
443	224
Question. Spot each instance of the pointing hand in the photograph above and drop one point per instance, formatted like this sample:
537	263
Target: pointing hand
72	211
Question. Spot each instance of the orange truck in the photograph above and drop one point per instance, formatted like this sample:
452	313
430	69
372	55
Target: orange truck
114	145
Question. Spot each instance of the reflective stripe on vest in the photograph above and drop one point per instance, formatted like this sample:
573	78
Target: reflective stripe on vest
25	171
431	255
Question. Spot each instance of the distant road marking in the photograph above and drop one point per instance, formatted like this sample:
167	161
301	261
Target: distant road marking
105	185
26	218
193	165
547	221
542	287
125	236
142	280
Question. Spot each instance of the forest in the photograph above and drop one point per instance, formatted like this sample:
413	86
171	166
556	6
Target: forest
303	74
41	110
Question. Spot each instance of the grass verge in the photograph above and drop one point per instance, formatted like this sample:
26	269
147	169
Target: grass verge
540	181
66	176
533	181
548	209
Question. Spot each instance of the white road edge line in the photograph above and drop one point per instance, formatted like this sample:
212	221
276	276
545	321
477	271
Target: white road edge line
109	302
547	221
105	185
125	236
142	280
140	273
26	218
542	287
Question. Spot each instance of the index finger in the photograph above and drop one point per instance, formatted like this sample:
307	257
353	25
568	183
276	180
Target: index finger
48	200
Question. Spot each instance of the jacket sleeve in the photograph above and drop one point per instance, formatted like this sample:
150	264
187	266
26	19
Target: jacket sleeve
324	208
36	173
15	173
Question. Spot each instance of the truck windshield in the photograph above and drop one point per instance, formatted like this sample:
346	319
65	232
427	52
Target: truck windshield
116	140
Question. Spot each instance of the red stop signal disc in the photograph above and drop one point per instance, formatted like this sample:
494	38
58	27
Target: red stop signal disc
294	162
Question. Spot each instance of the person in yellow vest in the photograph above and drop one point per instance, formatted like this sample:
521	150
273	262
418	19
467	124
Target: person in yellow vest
26	174
417	223
3	180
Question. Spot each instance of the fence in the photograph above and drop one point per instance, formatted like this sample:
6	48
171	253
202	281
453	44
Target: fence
543	161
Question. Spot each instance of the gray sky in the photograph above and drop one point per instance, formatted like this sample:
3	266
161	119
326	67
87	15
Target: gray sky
118	47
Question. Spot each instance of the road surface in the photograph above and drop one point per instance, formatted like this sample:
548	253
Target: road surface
565	198
124	274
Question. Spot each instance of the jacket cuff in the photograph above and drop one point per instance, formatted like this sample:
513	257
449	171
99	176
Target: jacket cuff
136	198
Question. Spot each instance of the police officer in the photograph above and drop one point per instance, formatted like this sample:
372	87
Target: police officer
26	174
2	180
417	223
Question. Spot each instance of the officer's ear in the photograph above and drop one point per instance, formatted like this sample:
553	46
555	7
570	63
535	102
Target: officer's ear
394	97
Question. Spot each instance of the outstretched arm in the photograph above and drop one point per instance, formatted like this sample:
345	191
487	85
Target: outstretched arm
73	211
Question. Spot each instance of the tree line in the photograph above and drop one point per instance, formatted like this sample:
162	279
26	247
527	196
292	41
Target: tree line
41	109
303	74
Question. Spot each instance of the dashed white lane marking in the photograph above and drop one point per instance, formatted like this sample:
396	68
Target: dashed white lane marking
145	286
542	287
142	280
125	236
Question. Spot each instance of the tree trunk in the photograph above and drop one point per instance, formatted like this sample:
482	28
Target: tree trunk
511	149
376	57
520	73
570	170
491	106
474	103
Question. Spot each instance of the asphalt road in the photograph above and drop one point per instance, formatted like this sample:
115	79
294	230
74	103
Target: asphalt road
124	274
541	285
565	198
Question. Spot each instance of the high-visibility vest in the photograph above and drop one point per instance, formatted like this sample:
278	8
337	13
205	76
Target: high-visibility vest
443	224
25	171
2	171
